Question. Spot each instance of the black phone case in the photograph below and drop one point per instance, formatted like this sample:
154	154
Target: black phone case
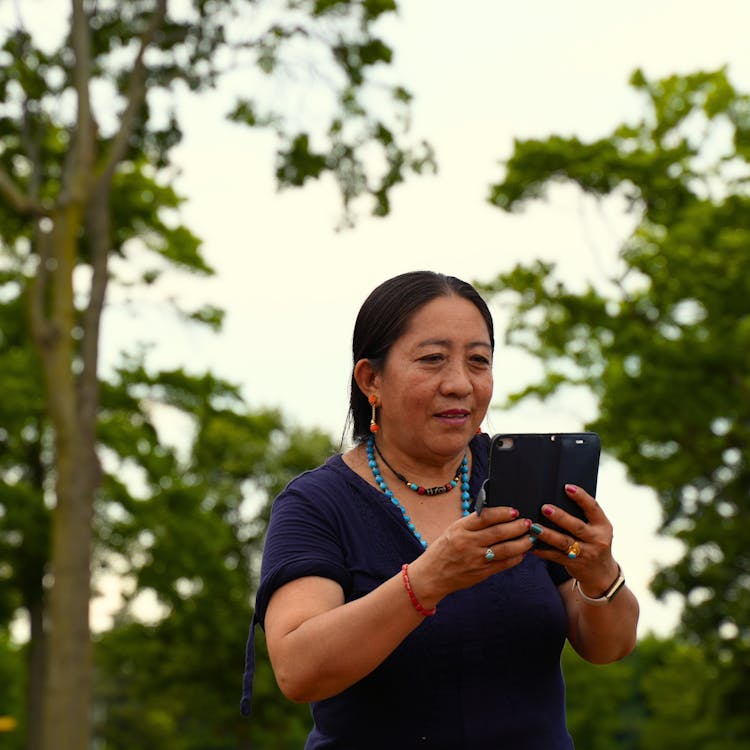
528	470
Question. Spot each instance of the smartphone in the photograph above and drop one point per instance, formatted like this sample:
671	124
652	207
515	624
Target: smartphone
527	470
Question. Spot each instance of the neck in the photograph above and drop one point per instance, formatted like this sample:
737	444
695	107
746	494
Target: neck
434	472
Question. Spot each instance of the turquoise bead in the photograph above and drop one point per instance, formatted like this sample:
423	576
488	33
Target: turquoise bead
465	497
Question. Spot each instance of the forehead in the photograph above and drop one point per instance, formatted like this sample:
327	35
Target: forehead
447	316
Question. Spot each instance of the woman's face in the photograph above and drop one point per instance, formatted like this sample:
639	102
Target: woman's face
436	385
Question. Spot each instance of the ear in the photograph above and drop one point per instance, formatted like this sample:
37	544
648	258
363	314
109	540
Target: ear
366	377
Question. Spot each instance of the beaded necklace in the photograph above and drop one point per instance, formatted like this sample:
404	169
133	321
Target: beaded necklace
373	464
418	488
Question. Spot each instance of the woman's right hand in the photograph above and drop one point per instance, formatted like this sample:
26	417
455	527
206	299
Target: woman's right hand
468	551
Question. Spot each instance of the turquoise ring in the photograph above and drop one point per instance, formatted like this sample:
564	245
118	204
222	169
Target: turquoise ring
489	555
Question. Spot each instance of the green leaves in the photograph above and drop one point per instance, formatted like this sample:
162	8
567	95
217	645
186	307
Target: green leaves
371	9
298	163
87	136
665	349
191	537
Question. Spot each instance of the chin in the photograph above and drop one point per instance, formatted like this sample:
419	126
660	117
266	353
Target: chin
453	441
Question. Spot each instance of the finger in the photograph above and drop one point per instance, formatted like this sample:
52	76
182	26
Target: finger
490	517
502	532
505	551
591	508
570	523
559	542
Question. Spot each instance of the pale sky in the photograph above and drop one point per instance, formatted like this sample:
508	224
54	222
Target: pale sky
483	72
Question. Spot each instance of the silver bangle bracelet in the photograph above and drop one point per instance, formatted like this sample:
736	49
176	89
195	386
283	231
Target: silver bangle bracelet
607	596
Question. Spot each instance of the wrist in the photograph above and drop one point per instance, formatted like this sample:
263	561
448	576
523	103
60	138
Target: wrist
596	586
416	602
425	583
606	596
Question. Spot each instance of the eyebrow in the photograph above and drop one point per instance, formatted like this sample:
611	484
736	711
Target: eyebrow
447	342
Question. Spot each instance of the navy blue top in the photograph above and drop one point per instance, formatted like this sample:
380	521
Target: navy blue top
483	672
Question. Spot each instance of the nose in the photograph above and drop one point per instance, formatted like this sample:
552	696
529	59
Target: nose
457	380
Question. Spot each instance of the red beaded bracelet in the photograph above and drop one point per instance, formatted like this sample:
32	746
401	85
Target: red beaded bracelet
422	611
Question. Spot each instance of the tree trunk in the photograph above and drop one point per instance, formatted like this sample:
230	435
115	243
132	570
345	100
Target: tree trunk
36	662
71	377
68	690
67	694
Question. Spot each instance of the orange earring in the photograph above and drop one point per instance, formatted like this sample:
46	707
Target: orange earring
374	427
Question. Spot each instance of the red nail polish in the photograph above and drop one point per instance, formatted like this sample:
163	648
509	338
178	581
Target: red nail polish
528	523
547	510
513	513
571	488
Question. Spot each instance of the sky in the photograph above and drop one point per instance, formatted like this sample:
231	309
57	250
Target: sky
483	72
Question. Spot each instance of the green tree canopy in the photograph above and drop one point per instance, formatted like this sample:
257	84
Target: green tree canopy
188	530
665	347
87	127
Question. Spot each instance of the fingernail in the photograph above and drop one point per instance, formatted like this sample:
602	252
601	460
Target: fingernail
548	510
532	539
513	513
527	521
536	529
571	488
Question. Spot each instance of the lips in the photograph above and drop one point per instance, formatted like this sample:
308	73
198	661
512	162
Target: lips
453	414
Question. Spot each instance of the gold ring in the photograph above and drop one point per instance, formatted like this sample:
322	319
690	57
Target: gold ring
574	550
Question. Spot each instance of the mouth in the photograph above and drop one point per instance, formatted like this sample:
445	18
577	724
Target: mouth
454	415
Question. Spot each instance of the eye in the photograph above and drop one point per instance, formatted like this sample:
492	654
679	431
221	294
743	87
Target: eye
430	358
481	359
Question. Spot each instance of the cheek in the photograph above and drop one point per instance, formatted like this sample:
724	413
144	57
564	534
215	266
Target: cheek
409	394
417	394
484	388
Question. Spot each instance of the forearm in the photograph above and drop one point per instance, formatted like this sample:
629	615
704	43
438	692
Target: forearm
330	651
601	634
320	645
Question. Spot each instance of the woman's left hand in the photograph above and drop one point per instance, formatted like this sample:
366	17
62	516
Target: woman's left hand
585	549
599	634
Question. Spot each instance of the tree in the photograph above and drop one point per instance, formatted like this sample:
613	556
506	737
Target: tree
191	536
681	690
81	128
12	716
665	347
24	477
666	694
183	522
601	704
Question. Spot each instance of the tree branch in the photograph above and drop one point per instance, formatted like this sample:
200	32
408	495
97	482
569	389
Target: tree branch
41	329
99	232
78	169
18	200
135	95
32	146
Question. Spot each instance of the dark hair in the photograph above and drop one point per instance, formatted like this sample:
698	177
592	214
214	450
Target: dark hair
383	318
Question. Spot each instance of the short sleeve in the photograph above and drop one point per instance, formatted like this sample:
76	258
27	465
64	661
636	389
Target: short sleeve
304	538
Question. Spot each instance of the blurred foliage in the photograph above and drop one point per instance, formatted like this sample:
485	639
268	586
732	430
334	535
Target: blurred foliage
180	520
663	696
317	73
12	679
665	345
88	123
190	534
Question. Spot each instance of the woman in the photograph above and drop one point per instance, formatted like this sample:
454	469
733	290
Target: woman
403	617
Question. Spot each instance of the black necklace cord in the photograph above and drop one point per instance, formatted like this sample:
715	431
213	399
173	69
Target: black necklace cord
430	491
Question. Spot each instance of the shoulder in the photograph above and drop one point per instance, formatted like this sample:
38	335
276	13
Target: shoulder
320	487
